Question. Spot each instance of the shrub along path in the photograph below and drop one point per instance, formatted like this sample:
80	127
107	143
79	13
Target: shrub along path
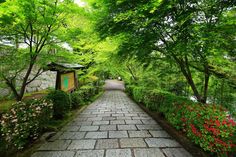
112	126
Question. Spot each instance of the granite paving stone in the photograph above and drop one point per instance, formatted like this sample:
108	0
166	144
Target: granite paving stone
148	152
161	142
118	134
107	143
140	118
149	127
104	115
176	152
82	144
90	153
100	122
80	119
96	135
127	127
132	142
117	122
54	154
118	153
148	121
159	133
89	128
108	118
72	135
133	122
94	119
117	115
131	114
84	123
143	133
107	127
123	118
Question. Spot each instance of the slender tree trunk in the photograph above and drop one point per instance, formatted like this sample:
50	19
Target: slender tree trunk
131	72
222	91
184	67
25	79
13	88
207	78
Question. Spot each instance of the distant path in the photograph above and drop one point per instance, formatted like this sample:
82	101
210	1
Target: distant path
114	85
112	126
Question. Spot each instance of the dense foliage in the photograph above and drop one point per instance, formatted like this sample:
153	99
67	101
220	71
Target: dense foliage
61	103
173	56
31	36
194	38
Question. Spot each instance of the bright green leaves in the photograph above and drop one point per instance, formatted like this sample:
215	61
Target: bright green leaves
40	26
154	5
194	35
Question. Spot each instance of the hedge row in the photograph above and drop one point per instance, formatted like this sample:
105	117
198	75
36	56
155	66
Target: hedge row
209	126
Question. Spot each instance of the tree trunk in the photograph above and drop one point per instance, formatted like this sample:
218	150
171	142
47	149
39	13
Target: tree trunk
13	88
207	78
184	67
131	72
25	79
222	91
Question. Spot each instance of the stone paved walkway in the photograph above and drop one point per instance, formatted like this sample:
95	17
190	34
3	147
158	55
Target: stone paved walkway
112	126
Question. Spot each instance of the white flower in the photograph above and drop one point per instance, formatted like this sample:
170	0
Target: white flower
14	120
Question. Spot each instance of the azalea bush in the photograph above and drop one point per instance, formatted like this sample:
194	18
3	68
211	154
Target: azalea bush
25	121
207	125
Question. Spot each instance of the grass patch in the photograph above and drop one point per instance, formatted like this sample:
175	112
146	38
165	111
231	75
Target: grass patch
45	91
5	105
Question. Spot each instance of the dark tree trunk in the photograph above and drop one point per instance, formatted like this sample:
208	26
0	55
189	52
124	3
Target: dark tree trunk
184	67
207	78
25	79
13	88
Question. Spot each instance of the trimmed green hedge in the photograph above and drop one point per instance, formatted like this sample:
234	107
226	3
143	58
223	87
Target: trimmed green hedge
61	103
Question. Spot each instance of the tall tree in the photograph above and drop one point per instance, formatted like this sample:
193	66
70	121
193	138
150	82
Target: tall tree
32	24
187	32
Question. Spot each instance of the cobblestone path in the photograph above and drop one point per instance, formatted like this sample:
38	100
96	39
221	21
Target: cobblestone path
112	126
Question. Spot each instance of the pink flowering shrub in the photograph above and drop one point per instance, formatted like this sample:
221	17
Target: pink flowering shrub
24	122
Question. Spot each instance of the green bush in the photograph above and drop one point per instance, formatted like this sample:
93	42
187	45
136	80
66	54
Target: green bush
61	103
76	99
84	95
25	121
129	89
86	92
138	93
